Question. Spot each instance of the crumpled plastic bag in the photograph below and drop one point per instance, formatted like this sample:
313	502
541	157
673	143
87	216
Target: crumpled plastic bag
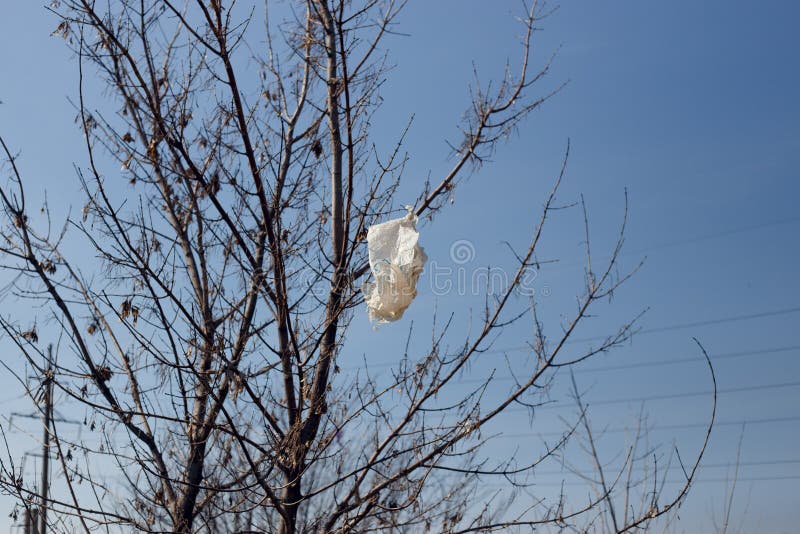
396	260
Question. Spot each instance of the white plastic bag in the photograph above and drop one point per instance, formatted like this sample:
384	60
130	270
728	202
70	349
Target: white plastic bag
396	260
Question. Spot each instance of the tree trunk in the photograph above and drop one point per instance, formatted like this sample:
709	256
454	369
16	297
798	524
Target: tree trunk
291	499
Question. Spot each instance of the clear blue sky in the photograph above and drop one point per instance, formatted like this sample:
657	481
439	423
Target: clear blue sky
691	106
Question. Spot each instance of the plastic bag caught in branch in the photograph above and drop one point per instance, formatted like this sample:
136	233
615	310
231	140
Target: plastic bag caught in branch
396	260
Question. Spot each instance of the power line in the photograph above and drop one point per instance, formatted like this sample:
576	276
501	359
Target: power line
754	463
671	466
667	328
716	235
656	363
696	239
679	426
697	480
666	362
12	399
666	396
690	359
709	322
735	318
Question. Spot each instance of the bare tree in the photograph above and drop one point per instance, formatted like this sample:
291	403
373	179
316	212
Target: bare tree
202	340
729	519
630	492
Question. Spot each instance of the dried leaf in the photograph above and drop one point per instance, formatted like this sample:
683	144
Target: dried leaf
48	266
316	148
104	373
30	335
62	30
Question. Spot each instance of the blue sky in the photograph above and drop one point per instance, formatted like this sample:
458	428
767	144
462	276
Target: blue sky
689	106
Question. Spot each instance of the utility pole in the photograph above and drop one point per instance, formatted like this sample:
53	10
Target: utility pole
26	527
31	520
48	416
34	520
